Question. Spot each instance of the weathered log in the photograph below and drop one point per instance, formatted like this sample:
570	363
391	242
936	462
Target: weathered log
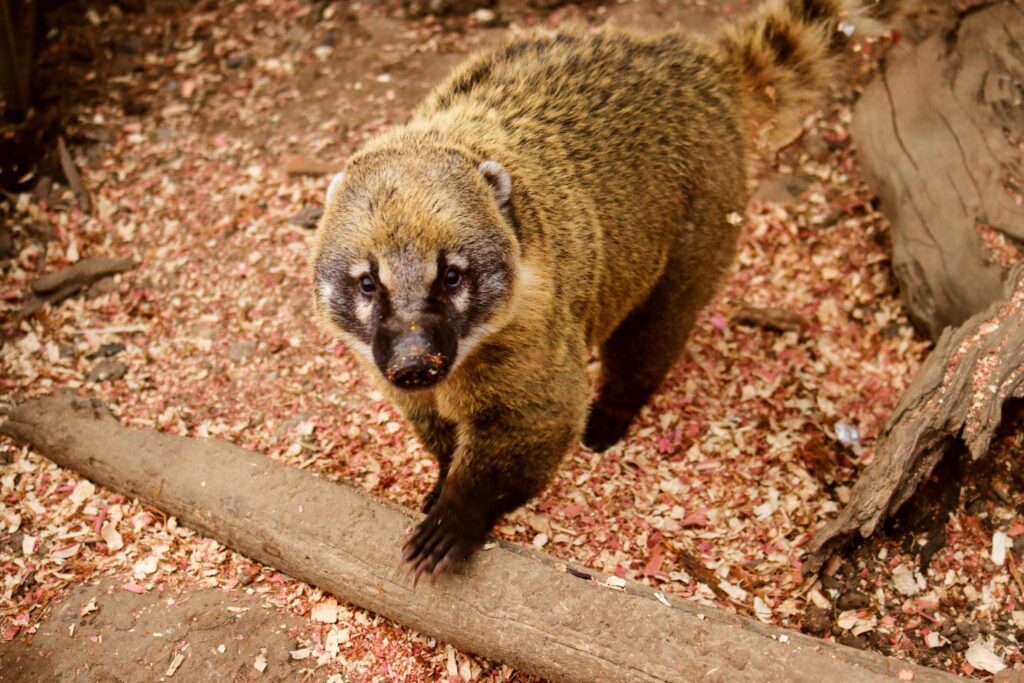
509	604
958	395
939	135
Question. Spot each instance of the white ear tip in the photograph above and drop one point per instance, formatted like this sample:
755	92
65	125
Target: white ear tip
499	179
490	167
332	189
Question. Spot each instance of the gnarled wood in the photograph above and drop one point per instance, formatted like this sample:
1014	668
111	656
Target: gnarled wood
510	604
957	395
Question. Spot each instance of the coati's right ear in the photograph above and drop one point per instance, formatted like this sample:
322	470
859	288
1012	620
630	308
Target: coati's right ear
497	177
332	189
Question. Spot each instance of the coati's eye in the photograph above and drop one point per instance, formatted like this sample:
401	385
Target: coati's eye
367	285
452	277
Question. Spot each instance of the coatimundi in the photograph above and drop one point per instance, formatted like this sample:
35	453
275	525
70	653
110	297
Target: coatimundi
557	194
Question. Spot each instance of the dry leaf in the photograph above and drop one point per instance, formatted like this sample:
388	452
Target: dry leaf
980	655
144	567
325	611
111	537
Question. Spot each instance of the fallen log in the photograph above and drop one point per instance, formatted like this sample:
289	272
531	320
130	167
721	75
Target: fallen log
957	396
509	604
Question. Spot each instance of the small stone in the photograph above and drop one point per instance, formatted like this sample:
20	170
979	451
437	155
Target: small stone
242	351
904	581
816	620
850	640
485	16
978	506
852	600
816	146
111	350
783	189
107	351
237	60
968	629
831	583
1018	545
107	371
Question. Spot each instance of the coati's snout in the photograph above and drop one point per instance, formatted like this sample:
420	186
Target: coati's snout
415	354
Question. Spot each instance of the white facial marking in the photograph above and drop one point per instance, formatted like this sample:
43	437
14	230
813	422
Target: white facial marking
384	274
357	346
461	300
430	273
364	309
359	269
326	292
468	343
458	260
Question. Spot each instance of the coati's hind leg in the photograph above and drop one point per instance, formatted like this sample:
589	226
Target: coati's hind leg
638	355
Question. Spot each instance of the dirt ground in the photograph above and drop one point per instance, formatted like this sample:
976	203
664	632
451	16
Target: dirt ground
102	633
195	126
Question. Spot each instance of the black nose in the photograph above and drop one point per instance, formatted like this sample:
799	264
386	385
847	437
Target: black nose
416	372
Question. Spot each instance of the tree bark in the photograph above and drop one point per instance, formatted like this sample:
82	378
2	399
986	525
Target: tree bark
509	604
940	137
957	396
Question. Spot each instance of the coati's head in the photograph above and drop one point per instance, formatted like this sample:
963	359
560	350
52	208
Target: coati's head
416	259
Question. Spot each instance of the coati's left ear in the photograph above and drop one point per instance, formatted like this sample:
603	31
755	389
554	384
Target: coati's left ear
332	189
497	177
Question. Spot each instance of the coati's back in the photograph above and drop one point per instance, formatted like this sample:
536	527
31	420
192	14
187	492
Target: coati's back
644	133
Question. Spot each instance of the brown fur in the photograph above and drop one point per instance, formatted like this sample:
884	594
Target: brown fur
627	163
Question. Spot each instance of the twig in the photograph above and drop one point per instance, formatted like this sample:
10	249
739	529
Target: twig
74	178
124	329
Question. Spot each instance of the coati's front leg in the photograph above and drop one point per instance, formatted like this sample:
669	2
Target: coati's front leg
502	463
437	435
507	452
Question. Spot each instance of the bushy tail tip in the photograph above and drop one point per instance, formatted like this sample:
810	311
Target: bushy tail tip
785	53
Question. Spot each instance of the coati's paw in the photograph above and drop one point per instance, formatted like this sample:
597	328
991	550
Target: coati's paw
604	429
445	537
